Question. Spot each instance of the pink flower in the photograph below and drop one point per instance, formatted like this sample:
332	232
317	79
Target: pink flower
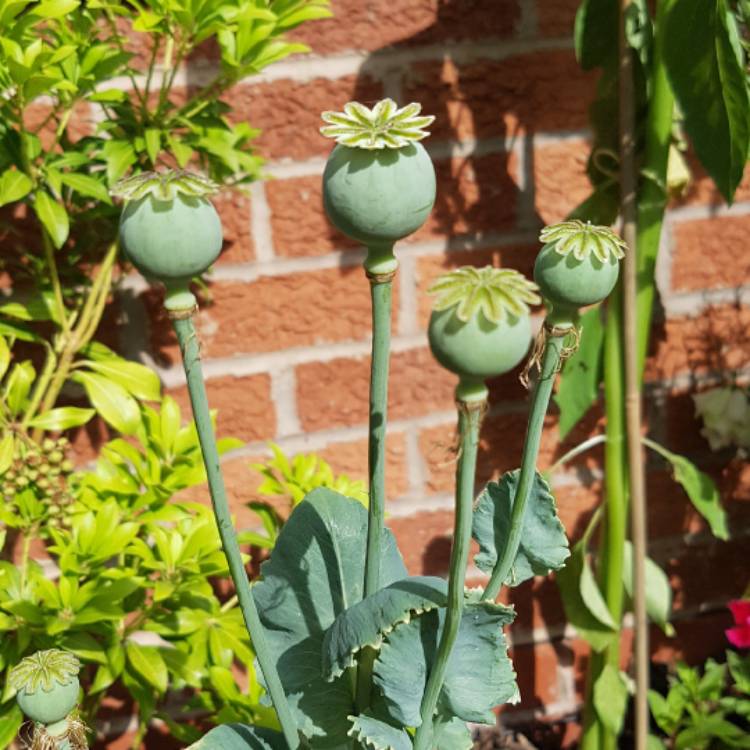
739	636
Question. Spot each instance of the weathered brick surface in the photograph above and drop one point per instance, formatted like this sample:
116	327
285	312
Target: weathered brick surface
715	341
288	112
538	92
373	24
560	180
708	253
245	407
335	393
273	313
701	189
234	210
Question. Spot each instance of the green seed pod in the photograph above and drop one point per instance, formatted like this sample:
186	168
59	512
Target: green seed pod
67	467
169	230
48	445
379	182
46	685
55	457
480	326
578	266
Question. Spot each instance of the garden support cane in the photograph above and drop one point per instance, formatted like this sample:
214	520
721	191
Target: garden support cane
182	320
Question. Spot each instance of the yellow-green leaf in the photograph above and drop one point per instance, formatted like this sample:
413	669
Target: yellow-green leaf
116	406
53	216
62	418
14	185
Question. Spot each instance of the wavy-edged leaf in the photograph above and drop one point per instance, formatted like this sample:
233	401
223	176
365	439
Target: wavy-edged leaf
480	675
582	374
239	737
703	57
700	488
62	418
584	604
116	406
368	621
658	590
315	572
379	735
544	546
450	733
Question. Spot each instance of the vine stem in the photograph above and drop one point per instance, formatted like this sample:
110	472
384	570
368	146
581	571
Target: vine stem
469	421
380	267
539	402
190	348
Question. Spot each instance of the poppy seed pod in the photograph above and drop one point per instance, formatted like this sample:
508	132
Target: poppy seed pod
169	230
379	182
578	266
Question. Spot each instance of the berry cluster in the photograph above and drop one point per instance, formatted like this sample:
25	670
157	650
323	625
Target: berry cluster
44	470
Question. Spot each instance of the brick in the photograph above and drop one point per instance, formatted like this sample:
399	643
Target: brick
716	341
81	123
556	17
288	112
702	191
429	267
245	407
560	179
373	24
575	506
350	458
538	92
708	253
424	541
298	222
234	210
272	313
696	639
475	196
544	673
335	393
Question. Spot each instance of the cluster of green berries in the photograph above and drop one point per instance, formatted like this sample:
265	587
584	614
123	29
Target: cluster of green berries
44	469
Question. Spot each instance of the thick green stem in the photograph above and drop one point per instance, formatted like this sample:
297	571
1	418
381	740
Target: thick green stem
469	419
190	348
380	267
539	403
652	198
596	736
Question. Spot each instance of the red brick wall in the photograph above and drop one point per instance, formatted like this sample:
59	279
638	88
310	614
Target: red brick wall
285	333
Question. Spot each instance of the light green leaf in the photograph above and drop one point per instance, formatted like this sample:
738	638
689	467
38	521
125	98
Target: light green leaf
116	406
708	77
365	623
7	451
654	743
700	488
451	733
4	357
18	385
138	380
153	143
19	331
148	664
658	590
479	677
86	185
611	698
14	185
582	374
544	546
53	216
11	719
376	734
584	604
240	737
50	9
85	646
119	155
315	572
62	418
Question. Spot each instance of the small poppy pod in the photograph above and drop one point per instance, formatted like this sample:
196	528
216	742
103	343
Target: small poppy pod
379	182
578	266
46	685
169	230
480	326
